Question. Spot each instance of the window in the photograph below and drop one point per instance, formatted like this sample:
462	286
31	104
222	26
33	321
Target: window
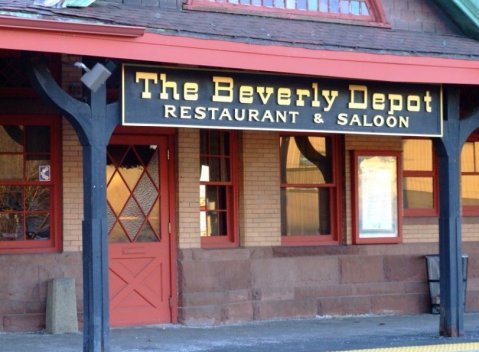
218	188
419	178
366	11
29	184
470	177
309	189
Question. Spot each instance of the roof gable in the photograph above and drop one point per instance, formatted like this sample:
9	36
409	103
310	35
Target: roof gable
465	13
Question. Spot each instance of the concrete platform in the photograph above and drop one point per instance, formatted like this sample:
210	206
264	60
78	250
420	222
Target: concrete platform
379	333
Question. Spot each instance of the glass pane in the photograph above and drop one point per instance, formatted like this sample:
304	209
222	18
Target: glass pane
154	218
118	235
203	225
290	4
306	160
11	198
305	211
110	217
38	139
11	139
301	4
355	7
470	190
313	5
364	9
11	167
418	193
110	169
153	169
215	142
11	227
145	193
212	198
147	234
38	226
334	6
117	193
470	157
145	152
323	5
417	155
37	198
131	169
216	223
38	168
116	153
204	149
132	218
344	6
215	169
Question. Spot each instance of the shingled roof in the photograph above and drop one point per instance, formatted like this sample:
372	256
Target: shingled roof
170	18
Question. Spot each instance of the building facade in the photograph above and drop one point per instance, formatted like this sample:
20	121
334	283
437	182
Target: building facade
269	161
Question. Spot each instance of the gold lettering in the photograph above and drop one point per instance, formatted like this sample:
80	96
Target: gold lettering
246	94
315	103
379	101
413	103
428	100
190	91
330	96
147	77
395	103
223	89
165	84
264	93
301	93
284	96
362	90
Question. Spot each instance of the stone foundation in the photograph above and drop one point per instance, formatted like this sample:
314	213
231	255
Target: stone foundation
244	284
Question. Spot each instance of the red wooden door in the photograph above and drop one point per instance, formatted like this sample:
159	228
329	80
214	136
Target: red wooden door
139	263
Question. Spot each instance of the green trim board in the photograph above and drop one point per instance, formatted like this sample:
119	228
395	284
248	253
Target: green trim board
465	13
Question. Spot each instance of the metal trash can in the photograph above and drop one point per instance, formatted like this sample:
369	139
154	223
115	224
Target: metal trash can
433	277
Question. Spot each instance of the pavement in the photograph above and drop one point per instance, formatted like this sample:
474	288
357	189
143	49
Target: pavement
392	333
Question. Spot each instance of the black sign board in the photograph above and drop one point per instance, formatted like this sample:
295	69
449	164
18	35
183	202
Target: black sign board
165	96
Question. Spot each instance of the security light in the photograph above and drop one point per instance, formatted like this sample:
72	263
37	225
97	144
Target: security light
95	77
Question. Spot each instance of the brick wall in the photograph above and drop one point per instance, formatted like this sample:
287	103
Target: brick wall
188	216
260	196
72	190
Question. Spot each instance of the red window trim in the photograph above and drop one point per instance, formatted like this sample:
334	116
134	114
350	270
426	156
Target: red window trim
231	240
54	243
335	186
434	211
354	197
376	19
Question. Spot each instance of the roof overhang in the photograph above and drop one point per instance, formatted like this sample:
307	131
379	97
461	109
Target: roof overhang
169	49
465	13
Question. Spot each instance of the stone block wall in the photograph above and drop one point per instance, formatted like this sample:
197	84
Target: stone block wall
23	291
245	284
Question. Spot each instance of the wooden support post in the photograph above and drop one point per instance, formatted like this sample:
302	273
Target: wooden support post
450	250
94	123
